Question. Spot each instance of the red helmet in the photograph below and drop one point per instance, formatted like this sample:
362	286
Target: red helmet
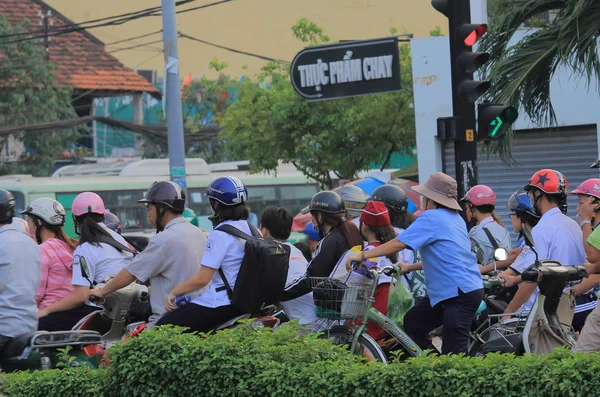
590	187
548	181
480	195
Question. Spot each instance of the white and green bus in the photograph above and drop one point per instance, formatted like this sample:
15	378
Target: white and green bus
122	185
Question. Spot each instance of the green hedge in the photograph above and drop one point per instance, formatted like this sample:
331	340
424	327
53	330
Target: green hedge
243	362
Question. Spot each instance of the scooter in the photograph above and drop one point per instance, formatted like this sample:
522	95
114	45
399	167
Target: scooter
44	350
113	320
547	325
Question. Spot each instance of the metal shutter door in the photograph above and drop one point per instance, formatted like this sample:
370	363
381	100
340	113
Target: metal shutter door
569	150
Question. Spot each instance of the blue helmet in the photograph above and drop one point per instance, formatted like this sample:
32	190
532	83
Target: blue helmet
228	190
520	202
311	233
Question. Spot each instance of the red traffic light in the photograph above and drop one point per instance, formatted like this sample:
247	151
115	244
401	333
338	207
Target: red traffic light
470	33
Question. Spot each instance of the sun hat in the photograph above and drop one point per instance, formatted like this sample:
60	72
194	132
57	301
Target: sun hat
440	188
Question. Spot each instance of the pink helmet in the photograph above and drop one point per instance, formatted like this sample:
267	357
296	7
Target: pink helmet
87	202
590	187
480	195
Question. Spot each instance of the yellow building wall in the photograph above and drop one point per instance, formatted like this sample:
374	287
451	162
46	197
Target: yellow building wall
256	26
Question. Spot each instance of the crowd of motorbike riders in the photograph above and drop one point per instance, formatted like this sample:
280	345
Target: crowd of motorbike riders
43	287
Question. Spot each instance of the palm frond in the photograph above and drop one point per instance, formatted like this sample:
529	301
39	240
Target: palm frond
507	16
578	35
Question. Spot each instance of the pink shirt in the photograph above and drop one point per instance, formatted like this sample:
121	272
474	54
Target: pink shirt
57	272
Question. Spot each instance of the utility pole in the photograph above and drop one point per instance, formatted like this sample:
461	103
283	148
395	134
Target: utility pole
171	87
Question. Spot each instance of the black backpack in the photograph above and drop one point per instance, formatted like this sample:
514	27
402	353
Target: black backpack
263	273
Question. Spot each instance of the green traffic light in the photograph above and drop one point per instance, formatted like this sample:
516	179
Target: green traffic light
497	124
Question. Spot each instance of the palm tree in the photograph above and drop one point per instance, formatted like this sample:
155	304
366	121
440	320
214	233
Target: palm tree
521	73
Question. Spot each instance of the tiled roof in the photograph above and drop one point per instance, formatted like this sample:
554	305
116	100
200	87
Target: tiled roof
80	57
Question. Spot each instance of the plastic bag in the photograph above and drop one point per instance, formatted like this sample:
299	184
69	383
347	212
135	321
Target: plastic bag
400	300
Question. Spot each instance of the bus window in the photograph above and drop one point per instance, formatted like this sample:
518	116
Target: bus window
19	202
121	203
296	197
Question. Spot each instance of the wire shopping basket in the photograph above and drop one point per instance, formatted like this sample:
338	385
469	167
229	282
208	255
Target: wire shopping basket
335	299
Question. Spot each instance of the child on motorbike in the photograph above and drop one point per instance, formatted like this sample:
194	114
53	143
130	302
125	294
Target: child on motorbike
376	229
45	220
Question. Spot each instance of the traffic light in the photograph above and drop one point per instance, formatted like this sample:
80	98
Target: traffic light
494	120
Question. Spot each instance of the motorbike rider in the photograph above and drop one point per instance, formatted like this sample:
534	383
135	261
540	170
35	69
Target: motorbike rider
113	222
523	216
396	202
312	237
488	231
227	197
556	236
338	233
355	200
376	229
277	223
45	219
20	264
453	280
173	254
100	252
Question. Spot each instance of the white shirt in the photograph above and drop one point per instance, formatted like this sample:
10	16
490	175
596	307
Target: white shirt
523	261
102	260
559	238
479	238
222	251
302	308
172	257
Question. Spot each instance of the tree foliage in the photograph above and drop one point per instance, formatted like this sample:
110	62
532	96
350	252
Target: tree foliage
29	94
270	123
521	72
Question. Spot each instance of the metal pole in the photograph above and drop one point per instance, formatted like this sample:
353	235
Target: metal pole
171	86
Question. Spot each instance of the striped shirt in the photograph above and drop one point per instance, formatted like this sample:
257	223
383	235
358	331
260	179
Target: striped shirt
57	272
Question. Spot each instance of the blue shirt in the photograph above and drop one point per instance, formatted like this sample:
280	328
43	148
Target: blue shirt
441	237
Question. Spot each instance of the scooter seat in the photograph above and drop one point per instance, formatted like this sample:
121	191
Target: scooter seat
15	346
232	322
43	339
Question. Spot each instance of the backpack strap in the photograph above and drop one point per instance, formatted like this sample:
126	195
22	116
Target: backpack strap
234	231
491	238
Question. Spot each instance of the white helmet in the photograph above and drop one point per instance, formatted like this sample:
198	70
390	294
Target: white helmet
50	211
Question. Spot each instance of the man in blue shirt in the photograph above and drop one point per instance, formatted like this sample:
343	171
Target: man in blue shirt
452	275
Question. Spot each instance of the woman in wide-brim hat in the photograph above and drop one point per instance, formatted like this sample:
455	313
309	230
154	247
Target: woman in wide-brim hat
452	275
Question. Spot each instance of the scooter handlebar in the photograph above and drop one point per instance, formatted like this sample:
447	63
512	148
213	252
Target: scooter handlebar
94	298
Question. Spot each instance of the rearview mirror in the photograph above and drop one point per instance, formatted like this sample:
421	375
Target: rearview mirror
85	271
480	256
501	254
528	237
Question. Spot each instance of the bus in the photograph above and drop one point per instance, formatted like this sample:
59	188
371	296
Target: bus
121	186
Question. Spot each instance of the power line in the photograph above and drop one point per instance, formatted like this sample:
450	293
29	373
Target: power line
75	25
118	20
137	46
265	58
134	38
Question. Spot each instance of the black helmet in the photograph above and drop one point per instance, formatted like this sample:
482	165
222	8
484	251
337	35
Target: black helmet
167	193
7	206
326	201
392	196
